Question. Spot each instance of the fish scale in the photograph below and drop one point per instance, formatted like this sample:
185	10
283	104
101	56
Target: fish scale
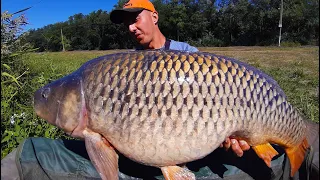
163	108
177	65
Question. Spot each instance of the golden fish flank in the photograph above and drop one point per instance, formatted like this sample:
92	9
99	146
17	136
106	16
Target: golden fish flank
168	65
163	76
222	76
165	108
199	78
172	76
195	67
186	66
124	72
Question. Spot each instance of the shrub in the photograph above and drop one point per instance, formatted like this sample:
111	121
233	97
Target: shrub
208	40
18	120
290	44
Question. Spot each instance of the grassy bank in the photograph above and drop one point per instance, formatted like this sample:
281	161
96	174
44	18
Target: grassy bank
296	69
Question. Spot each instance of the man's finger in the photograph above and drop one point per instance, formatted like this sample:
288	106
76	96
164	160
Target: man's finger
227	144
244	145
236	148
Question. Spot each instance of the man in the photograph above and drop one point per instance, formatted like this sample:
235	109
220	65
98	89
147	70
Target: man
40	158
141	19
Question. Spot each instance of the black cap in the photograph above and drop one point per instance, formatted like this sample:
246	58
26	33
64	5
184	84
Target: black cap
116	16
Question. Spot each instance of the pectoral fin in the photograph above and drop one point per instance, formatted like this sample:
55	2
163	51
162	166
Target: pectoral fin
102	155
177	173
265	152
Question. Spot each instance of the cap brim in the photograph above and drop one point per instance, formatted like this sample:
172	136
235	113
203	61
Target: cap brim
116	16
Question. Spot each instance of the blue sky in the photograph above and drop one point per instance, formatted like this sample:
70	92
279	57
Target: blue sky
45	12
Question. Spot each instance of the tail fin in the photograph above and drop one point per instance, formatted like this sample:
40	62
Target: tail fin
312	131
296	154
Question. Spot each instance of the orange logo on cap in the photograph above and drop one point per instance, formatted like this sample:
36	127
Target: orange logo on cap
127	4
145	4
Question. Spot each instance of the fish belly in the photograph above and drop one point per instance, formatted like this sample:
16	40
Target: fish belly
164	108
164	144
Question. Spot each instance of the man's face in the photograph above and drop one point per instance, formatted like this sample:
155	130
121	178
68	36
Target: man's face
141	25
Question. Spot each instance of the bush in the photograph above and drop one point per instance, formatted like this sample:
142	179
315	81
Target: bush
18	120
208	40
290	44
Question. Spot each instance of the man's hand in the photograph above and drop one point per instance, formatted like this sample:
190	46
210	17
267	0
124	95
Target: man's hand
237	146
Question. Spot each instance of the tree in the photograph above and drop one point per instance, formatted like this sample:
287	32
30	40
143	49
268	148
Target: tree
199	22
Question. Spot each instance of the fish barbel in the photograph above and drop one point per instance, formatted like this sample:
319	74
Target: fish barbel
164	108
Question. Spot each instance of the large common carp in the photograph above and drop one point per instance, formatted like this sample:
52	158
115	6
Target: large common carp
167	108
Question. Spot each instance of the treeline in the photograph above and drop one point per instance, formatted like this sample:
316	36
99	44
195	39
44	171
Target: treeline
199	22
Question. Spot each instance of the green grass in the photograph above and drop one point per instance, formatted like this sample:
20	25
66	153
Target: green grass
296	69
61	62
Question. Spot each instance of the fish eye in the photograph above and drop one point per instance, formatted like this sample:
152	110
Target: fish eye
45	93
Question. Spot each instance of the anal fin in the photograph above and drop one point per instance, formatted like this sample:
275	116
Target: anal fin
296	155
265	152
177	173
102	155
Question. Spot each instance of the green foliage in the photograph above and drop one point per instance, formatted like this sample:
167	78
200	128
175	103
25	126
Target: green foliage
296	69
208	40
290	44
18	83
12	73
300	88
227	22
